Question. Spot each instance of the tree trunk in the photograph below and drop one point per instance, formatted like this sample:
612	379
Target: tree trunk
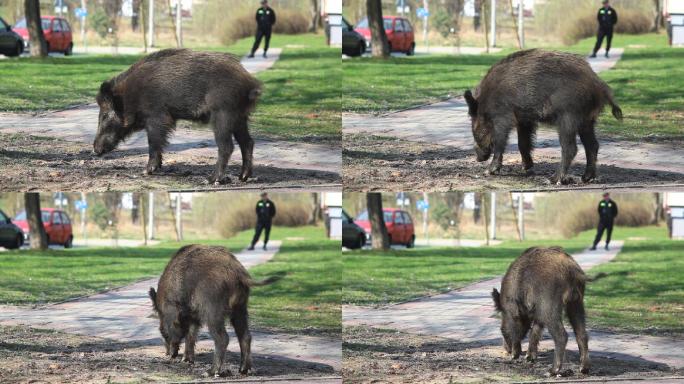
35	28
380	240
135	18
315	16
658	16
35	221
380	47
315	209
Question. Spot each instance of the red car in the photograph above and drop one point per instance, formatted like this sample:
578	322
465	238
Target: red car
56	30
399	34
56	223
398	223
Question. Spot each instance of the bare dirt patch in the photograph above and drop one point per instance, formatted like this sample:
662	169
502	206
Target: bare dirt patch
373	163
380	356
44	164
42	356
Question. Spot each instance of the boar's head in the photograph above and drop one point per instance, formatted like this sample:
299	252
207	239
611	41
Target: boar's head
482	129
513	328
171	325
110	126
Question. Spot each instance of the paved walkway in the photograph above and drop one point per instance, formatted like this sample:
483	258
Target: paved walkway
468	315
80	125
448	123
125	315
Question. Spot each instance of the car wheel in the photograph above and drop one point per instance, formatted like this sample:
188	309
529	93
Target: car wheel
69	50
389	46
18	242
361	242
411	242
411	50
69	243
362	48
389	239
17	50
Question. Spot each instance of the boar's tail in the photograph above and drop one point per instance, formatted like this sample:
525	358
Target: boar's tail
617	112
599	275
269	280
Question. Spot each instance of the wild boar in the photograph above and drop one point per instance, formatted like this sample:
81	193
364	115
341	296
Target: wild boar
538	287
174	84
205	285
537	86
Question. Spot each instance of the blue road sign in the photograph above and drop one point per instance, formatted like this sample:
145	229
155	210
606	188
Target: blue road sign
81	205
422	12
80	12
422	205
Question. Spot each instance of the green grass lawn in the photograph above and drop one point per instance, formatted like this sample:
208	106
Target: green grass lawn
643	291
372	277
647	83
308	298
301	99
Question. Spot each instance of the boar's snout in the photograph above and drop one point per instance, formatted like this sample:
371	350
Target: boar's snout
102	145
482	154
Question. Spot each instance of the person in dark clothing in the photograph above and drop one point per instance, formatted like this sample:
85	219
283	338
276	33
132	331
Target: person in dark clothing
265	210
607	18
265	18
607	210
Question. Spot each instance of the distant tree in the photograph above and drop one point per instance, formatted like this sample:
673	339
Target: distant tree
135	18
658	22
380	47
380	239
35	221
315	15
478	15
35	28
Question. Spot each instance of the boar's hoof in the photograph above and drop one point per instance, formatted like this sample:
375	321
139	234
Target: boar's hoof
189	360
151	169
584	369
215	373
565	180
588	177
530	357
527	171
495	171
245	175
218	181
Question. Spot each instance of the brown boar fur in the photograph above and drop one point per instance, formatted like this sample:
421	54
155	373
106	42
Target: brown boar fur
538	286
537	86
204	285
174	84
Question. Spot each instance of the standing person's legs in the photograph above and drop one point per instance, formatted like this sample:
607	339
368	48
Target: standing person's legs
599	234
599	41
609	38
609	227
257	234
257	41
267	41
267	226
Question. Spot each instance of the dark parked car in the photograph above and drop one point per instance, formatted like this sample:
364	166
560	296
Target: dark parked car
11	236
11	44
353	236
353	43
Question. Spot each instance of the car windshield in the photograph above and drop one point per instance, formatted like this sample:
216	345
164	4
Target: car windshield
45	216
364	23
363	216
22	24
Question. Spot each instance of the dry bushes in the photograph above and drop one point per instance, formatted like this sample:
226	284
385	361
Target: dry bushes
288	214
629	22
288	22
630	214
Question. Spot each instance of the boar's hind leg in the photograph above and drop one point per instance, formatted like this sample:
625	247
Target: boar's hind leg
567	133
217	330
591	147
224	124
241	325
560	339
533	345
575	311
190	340
246	143
500	140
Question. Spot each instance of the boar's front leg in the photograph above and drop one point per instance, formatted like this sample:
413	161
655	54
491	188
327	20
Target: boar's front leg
241	325
525	144
246	143
157	132
499	142
224	125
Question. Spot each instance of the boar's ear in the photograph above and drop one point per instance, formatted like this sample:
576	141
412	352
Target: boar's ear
153	296
472	103
497	300
107	96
